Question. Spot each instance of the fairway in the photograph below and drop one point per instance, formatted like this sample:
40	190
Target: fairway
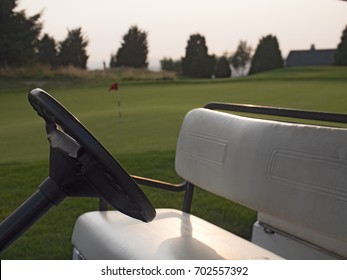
152	113
143	139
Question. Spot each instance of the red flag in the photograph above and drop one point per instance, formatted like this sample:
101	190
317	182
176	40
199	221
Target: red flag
114	86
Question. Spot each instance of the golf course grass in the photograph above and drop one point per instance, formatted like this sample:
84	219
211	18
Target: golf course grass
141	134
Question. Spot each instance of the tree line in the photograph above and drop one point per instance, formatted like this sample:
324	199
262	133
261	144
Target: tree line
21	44
198	63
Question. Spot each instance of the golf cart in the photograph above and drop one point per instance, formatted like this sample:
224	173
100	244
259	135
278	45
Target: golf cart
294	175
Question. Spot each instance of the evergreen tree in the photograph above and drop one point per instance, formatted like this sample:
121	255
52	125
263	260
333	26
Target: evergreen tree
72	51
133	51
340	57
47	51
222	68
197	63
168	64
267	55
241	57
18	35
6	9
113	61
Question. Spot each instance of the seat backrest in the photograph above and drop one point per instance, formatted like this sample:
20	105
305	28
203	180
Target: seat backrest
293	172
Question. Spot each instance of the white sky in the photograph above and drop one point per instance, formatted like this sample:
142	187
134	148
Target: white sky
169	23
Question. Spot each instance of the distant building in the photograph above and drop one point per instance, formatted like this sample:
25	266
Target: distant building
311	57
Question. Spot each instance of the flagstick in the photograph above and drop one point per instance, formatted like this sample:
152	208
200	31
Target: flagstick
115	87
118	102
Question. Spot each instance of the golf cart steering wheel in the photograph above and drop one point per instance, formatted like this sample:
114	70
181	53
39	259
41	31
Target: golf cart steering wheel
79	166
78	146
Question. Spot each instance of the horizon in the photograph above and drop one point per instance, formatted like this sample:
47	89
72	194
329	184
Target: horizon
297	24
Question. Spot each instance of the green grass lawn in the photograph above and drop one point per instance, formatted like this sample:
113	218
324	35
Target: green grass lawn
143	140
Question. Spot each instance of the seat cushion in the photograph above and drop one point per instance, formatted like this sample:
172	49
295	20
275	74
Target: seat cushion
171	235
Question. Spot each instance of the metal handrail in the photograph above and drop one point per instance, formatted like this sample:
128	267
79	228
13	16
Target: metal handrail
277	111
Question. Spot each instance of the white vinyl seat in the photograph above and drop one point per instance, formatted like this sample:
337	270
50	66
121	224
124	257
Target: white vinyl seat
294	175
172	235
